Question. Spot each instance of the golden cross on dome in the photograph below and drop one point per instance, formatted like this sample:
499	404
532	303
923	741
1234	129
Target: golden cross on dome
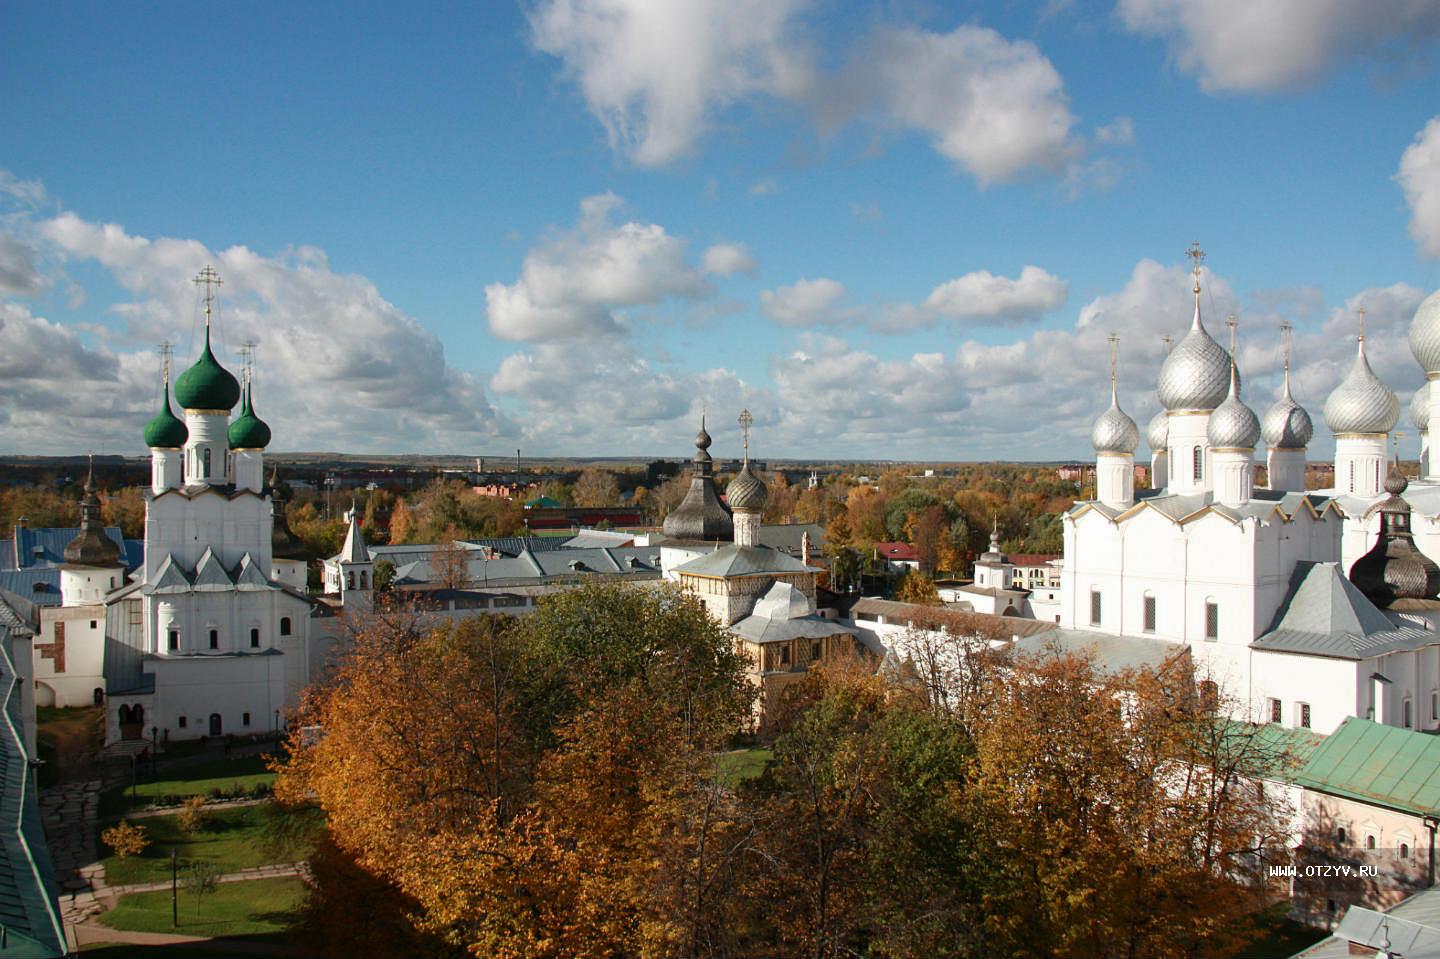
247	358
745	420
1285	329
166	350
1197	256
1114	339
209	279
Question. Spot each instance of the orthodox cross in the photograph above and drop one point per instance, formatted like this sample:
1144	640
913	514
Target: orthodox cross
1114	359
745	420
1197	256
1285	329
247	359
1362	324
166	350
209	279
1231	322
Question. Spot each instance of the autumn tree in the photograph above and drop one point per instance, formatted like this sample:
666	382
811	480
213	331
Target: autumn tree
125	508
925	531
450	563
596	487
918	588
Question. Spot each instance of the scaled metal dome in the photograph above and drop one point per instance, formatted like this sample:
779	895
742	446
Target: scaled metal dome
166	431
1158	432
1286	425
1115	431
1196	374
1394	569
1420	408
248	432
747	491
1233	425
1425	333
1361	403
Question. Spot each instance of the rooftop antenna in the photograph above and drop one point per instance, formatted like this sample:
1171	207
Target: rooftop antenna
745	420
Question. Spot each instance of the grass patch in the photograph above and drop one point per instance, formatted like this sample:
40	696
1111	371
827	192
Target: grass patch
226	775
1280	936
734	767
256	906
275	944
233	839
65	737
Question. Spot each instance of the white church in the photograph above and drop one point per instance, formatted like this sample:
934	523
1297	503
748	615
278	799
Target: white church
215	634
1306	607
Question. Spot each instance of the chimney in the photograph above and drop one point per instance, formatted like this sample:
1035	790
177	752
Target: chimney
805	547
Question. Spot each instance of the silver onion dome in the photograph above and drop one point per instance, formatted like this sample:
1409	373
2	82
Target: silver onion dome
747	491
1361	403
1420	408
1286	425
1425	333
1115	431
1233	425
1196	374
1158	432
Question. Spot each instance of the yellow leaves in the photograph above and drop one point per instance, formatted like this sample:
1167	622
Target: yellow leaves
125	839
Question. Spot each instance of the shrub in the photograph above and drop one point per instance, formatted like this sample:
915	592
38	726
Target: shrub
191	816
124	839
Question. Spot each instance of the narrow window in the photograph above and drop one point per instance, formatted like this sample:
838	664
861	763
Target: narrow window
349	580
814	651
1277	711
214	639
785	655
1377	474
1340	835
1304	715
1369	842
1199	472
1434	704
92	624
1094	607
1212	620
254	639
205	461
180	722
1404	850
1149	614
174	642
1352	477
284	625
244	719
1405	719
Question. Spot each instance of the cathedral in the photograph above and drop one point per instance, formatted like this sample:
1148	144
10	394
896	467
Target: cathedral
1304	606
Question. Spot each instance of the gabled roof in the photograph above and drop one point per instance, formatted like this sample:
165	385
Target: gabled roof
34	547
1326	615
1108	652
210	573
40	586
1184	508
171	577
1378	764
354	550
735	560
29	911
899	552
249	575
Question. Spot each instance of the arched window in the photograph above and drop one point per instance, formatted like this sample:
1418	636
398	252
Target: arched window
254	638
1340	835
362	580
1095	607
349	580
1406	716
1377	474
1150	612
173	640
205	461
214	639
1199	470
1212	619
1370	842
284	625
1404	850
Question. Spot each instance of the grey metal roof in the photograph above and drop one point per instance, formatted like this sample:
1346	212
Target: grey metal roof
1196	373
1413	929
1425	333
29	911
1325	614
1361	403
962	621
1180	508
209	575
1108	652
545	566
735	560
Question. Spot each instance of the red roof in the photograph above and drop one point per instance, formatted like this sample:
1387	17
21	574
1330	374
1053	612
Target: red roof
1033	559
900	552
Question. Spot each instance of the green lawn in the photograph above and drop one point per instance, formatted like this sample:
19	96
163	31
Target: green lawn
738	765
233	909
233	839
197	780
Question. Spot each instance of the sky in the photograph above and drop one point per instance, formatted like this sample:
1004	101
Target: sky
892	230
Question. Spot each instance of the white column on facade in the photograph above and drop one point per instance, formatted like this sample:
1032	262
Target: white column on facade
1286	470
1234	475
1115	479
1360	463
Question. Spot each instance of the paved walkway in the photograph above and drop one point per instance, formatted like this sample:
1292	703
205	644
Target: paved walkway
210	806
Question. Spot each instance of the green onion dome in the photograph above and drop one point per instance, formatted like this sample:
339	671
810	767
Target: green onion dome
166	431
249	431
207	385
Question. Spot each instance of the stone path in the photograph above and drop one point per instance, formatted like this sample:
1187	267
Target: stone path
68	813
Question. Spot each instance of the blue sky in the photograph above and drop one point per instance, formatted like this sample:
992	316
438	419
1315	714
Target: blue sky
890	229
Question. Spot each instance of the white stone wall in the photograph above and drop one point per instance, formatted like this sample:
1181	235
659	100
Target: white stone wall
184	526
84	656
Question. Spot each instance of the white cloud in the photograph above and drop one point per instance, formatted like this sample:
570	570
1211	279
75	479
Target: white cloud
803	303
727	259
995	107
765	187
983	295
338	364
1419	176
574	280
655	73
1120	131
1261	47
19	271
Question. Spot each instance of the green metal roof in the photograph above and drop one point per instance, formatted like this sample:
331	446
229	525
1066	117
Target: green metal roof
166	431
29	913
543	502
207	385
248	432
1382	765
1273	751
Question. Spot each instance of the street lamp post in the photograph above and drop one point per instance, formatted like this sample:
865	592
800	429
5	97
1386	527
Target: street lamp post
1432	823
174	888
154	752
